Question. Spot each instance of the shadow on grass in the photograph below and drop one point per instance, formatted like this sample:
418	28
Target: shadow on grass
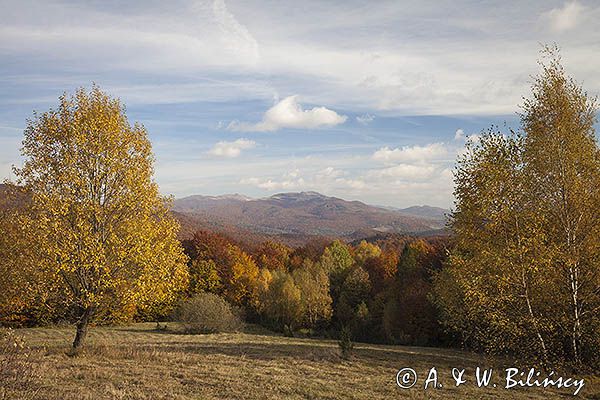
298	351
170	328
272	345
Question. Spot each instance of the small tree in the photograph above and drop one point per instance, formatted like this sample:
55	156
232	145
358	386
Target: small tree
20	368
282	302
313	283
345	342
351	309
337	257
365	251
273	255
102	229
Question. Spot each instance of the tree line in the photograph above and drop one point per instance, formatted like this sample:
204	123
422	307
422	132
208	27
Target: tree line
378	291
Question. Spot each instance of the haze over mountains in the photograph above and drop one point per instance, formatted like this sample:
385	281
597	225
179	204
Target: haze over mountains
304	214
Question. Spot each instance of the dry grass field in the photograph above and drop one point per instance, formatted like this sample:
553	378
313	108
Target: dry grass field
138	362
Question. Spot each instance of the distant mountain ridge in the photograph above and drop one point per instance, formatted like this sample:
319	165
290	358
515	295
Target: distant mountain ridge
306	214
435	213
294	218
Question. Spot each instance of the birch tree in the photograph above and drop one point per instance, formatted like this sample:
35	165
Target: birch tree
102	229
524	276
562	164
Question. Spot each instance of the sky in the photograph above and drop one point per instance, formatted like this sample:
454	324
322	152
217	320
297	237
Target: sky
363	100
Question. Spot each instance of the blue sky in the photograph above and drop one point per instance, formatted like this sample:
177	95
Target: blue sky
366	100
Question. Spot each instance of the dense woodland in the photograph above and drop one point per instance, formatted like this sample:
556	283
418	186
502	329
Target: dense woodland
87	239
379	290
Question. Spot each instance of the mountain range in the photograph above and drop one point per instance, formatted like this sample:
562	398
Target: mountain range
294	218
304	214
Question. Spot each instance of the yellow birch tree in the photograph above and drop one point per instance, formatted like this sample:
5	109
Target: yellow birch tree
102	229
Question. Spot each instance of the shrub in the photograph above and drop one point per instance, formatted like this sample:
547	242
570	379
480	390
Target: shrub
208	313
345	343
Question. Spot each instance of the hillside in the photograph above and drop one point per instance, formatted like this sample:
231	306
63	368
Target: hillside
304	214
137	362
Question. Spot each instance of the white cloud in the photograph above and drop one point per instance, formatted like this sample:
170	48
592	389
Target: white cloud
235	36
459	134
407	172
289	114
348	177
564	18
330	172
245	46
325	180
289	181
411	153
194	35
365	119
239	53
352	184
231	149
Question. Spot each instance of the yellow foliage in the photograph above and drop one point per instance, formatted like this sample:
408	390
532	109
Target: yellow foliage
101	227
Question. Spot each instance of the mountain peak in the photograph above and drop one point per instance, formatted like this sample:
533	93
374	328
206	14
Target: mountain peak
232	196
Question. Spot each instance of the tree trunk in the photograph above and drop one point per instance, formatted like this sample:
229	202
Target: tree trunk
536	327
576	332
82	327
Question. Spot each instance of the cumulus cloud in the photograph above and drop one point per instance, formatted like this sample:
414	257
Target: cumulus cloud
411	153
410	170
325	180
291	180
353	184
330	172
564	18
365	119
288	113
231	149
402	180
459	134
404	172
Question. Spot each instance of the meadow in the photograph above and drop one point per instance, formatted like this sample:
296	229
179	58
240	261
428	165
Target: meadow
140	362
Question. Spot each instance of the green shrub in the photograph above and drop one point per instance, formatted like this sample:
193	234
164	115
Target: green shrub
208	313
345	343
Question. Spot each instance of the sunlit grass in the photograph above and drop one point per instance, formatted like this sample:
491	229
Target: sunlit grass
138	362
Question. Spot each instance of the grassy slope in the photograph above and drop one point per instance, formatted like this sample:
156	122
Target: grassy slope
136	362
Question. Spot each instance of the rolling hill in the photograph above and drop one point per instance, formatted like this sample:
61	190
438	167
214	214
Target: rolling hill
303	214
